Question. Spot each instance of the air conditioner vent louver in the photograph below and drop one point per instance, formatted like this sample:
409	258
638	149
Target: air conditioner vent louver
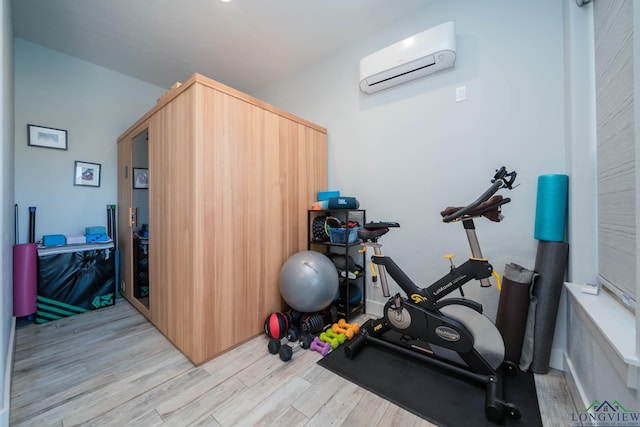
420	55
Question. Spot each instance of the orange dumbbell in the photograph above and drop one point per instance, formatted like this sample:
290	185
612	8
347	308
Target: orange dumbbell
348	329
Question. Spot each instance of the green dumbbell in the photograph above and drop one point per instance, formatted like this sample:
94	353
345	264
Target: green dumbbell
332	338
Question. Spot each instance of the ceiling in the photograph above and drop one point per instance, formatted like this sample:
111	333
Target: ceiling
246	44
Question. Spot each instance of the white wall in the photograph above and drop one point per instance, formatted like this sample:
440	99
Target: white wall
409	151
6	209
95	106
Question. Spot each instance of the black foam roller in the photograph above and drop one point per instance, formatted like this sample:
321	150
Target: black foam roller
513	308
354	346
551	262
32	224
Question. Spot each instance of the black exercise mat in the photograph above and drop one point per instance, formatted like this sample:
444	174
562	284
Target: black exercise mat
432	394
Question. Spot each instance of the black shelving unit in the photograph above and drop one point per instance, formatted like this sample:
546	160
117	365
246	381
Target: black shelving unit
353	297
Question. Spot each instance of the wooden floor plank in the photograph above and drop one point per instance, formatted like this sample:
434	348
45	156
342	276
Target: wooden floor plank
175	393
275	404
111	367
201	409
556	404
30	407
290	418
321	390
338	407
118	393
242	404
369	411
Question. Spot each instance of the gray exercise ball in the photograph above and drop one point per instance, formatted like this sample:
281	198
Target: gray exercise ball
308	281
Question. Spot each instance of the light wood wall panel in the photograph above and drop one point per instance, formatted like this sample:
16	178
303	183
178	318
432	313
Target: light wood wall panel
125	172
172	230
231	179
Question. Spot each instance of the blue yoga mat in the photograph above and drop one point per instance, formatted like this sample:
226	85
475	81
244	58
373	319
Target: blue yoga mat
551	208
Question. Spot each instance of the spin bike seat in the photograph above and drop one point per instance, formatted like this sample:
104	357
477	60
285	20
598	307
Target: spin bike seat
373	230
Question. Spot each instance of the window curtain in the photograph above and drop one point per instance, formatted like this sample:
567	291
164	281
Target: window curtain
616	147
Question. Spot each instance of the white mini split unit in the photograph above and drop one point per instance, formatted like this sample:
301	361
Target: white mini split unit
417	56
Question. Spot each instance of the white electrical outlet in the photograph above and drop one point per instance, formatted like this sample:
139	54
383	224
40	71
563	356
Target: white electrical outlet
461	93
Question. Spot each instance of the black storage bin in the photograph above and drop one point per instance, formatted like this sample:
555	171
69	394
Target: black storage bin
74	279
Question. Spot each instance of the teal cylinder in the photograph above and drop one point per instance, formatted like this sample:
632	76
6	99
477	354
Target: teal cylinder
551	207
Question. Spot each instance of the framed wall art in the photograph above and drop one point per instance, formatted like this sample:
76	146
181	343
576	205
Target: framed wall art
40	136
86	174
140	178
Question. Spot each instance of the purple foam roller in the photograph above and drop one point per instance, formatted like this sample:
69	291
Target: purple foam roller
25	279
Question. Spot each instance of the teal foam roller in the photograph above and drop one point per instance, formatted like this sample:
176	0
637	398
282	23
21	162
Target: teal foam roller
551	208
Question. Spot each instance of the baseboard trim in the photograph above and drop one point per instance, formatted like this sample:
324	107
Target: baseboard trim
375	308
557	359
8	371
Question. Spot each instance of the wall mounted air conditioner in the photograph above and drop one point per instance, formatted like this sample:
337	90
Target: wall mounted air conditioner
422	54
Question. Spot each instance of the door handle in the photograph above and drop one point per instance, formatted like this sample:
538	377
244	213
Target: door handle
133	217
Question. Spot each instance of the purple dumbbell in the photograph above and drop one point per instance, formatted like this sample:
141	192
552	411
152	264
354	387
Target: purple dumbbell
320	346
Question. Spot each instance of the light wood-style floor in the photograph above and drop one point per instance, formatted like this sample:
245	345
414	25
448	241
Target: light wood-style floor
112	367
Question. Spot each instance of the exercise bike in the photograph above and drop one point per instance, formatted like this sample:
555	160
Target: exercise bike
449	333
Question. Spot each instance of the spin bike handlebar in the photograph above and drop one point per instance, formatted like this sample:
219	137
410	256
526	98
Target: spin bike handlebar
372	231
502	179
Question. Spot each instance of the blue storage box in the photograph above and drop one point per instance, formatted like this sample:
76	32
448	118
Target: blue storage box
95	230
54	240
338	235
96	237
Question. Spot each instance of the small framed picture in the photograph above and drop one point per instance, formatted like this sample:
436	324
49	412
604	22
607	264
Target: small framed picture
140	178
39	136
86	174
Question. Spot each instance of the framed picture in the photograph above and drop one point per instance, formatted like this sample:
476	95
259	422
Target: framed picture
86	174
39	136
140	178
